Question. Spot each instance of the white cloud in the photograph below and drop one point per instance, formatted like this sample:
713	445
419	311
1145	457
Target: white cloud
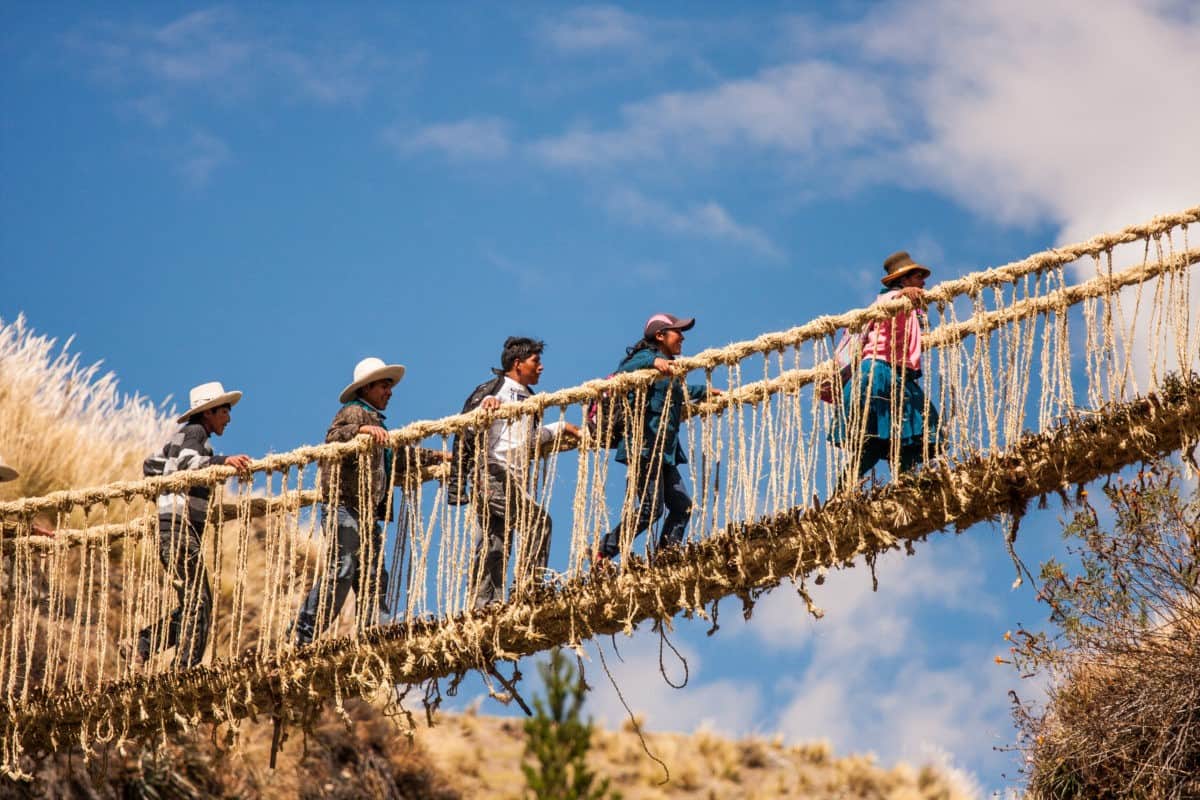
729	707
199	47
469	139
1023	111
1063	113
903	715
706	220
594	28
797	109
215	51
879	676
1079	113
201	155
1075	115
152	109
856	617
526	276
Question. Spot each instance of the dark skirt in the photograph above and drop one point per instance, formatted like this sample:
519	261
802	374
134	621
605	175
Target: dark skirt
872	391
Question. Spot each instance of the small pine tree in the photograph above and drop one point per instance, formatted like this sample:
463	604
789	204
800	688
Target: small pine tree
557	739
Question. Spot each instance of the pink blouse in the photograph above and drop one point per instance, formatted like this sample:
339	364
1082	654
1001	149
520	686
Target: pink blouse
896	340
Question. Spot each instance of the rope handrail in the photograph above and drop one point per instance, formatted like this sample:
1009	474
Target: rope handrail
1059	351
707	360
788	380
747	559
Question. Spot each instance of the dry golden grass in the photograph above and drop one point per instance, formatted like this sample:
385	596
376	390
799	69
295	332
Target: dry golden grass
63	424
366	761
481	757
1124	721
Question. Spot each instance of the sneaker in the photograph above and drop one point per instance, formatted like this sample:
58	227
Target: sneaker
602	563
134	650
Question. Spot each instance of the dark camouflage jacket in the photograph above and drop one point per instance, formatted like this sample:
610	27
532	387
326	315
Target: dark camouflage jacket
378	460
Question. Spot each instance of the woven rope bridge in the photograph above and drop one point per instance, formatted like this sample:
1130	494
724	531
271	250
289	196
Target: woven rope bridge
1091	347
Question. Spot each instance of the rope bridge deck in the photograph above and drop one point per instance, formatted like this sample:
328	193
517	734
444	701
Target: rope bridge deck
1092	345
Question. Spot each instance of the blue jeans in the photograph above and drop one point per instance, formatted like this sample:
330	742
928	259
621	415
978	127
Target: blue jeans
352	564
659	485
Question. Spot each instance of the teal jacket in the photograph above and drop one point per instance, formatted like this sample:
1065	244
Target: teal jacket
656	399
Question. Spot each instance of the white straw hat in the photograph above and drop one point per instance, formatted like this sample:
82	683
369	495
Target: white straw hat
7	473
206	396
370	370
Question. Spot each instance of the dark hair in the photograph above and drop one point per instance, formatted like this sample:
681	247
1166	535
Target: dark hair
645	343
194	419
519	348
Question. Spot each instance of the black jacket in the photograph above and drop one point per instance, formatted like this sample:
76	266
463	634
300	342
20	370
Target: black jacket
463	465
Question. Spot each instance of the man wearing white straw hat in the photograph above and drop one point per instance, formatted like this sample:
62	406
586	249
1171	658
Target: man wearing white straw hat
355	494
181	519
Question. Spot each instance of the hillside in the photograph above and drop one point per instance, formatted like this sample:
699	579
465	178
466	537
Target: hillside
477	756
480	756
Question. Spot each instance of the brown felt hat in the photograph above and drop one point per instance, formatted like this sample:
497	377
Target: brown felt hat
899	264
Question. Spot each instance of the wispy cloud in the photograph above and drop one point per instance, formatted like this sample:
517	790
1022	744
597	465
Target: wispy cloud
878	677
173	76
800	108
217	52
731	707
590	29
705	220
1050	113
469	139
527	277
200	155
1009	108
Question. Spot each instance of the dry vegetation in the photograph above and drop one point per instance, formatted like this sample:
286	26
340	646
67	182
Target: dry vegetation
66	425
473	756
1123	718
369	760
481	757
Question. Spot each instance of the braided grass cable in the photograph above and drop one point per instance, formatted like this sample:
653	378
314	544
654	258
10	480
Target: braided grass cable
745	559
731	354
787	381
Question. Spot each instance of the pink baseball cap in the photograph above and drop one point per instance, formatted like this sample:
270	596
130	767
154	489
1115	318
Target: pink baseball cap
663	322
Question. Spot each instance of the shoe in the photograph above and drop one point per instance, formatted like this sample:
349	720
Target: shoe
134	650
602	563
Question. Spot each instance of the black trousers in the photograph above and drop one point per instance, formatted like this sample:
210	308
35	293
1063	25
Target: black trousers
186	628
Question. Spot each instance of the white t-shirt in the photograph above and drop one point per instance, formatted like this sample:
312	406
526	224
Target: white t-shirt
508	442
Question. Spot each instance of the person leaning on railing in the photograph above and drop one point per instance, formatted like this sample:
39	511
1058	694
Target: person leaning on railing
654	473
356	558
181	519
891	364
503	472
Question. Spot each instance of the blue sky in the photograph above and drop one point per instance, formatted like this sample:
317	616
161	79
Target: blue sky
263	195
